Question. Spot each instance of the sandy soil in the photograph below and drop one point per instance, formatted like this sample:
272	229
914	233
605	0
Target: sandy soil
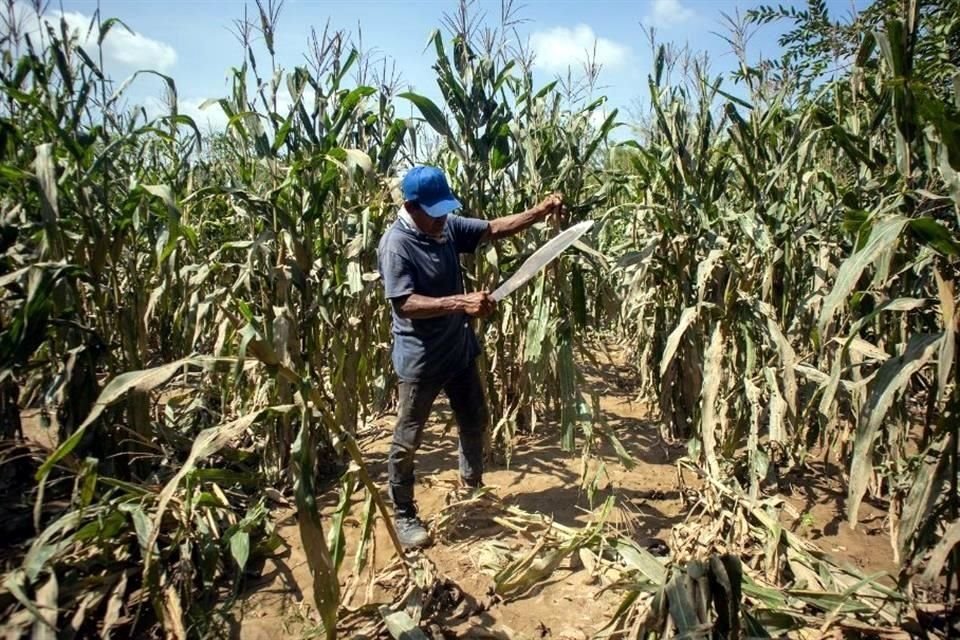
541	478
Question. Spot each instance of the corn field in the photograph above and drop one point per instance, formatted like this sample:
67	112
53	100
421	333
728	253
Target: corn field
197	316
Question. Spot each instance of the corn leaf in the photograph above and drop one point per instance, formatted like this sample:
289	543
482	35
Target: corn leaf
682	609
137	381
926	487
883	237
948	318
709	396
208	442
673	341
938	557
891	379
400	625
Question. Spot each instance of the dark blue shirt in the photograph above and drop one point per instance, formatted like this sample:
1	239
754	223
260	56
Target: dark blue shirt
413	262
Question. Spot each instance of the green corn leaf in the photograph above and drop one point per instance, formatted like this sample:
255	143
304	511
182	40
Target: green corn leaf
579	300
432	114
679	592
14	582
366	534
55	538
732	98
603	132
345	67
867	46
171	86
400	625
545	90
883	237
240	549
165	193
830	389
891	47
107	25
639	559
208	442
45	166
141	523
326	587
659	64
935	235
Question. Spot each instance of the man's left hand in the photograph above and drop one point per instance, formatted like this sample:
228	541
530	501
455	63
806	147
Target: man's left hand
551	205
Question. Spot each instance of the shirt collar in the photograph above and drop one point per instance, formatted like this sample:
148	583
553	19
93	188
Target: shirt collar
407	221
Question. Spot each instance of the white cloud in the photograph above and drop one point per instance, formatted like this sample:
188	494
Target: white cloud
666	13
559	48
209	119
137	50
285	100
132	50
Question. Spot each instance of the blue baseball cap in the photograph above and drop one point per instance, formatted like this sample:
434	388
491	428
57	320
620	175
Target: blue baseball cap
427	186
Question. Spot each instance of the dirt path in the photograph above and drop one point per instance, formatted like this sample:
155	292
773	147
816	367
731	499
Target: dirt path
544	479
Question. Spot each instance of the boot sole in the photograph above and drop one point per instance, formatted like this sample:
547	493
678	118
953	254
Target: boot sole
416	545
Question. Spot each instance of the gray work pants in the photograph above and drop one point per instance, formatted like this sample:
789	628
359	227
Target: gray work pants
465	393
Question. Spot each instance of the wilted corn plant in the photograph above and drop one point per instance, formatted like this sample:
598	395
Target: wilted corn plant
736	571
88	225
808	248
506	144
126	254
203	318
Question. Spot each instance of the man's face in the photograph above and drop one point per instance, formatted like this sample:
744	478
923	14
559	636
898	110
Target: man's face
427	223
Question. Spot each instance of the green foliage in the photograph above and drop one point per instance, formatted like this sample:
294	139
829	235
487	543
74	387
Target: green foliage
505	144
804	239
201	314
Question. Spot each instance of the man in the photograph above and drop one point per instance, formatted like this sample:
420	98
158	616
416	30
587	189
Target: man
434	346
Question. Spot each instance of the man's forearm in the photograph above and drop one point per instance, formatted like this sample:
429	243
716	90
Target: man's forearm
509	225
417	307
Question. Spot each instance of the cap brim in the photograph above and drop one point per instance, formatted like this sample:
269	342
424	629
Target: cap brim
441	208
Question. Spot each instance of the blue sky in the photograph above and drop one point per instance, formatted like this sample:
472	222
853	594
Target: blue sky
191	39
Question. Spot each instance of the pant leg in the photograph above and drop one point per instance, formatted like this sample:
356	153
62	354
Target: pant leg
470	409
416	400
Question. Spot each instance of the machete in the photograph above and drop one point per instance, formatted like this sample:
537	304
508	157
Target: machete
540	258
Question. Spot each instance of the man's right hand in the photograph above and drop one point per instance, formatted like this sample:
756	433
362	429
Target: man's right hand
552	204
478	304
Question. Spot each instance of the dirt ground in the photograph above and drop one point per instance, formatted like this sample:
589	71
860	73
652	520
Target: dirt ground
542	478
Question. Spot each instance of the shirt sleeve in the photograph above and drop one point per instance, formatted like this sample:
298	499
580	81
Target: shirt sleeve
466	232
397	274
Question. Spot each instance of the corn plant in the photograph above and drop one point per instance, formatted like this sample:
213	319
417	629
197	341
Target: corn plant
134	253
810	254
506	144
198	315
